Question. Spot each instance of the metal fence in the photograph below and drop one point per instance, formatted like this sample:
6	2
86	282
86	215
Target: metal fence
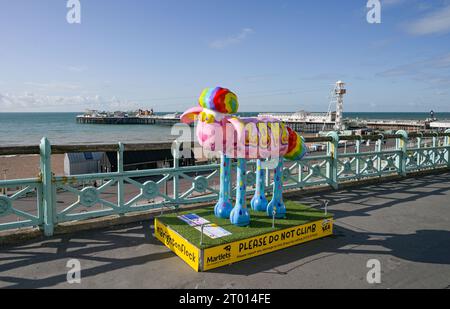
48	200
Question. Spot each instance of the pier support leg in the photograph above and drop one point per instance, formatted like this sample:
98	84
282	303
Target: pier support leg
259	201
276	204
239	215
223	207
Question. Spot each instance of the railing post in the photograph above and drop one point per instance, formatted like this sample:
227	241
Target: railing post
402	145
176	165
419	146
379	149
332	164
47	202
358	164
447	146
434	145
120	183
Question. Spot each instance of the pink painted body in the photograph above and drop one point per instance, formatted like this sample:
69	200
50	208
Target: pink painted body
249	138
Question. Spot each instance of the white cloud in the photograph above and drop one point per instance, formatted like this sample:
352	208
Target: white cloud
436	22
437	63
432	71
55	86
14	102
231	40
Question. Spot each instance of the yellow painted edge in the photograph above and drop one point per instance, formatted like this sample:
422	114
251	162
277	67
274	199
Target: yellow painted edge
229	253
179	245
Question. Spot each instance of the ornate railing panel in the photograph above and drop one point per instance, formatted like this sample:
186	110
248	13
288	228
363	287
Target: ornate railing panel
361	165
426	158
21	204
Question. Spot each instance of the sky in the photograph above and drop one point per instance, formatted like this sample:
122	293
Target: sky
276	55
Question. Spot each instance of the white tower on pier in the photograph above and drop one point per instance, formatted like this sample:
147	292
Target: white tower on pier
339	92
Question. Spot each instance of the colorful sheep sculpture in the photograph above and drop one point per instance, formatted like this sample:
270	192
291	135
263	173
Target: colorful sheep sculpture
218	130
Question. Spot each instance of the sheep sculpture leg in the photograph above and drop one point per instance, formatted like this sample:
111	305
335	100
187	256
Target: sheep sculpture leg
276	205
223	207
239	215
259	201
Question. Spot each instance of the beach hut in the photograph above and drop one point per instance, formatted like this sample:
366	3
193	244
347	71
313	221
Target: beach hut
86	163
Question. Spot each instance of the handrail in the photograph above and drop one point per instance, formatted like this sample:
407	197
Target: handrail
61	149
18	150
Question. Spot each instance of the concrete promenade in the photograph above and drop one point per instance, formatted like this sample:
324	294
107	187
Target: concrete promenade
404	224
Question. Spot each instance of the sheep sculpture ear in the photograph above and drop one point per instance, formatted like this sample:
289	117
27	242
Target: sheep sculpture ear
191	114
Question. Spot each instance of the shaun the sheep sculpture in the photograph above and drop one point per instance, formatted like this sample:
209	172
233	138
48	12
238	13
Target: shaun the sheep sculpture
219	131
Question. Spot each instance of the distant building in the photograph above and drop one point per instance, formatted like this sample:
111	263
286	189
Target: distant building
144	113
303	116
442	125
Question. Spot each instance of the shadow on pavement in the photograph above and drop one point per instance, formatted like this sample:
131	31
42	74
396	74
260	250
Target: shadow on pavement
92	246
423	246
376	197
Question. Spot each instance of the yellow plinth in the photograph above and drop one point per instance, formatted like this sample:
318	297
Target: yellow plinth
203	259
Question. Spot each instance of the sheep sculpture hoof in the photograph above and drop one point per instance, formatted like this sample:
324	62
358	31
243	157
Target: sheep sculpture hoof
240	217
223	209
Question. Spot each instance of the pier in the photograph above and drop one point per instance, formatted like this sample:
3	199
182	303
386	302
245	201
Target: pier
307	122
299	126
150	120
310	126
394	125
316	122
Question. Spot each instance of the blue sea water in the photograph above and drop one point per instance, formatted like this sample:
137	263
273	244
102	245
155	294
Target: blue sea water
61	128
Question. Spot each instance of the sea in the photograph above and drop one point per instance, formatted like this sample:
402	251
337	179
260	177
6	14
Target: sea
62	128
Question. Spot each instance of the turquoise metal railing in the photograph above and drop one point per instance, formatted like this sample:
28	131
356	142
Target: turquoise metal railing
48	200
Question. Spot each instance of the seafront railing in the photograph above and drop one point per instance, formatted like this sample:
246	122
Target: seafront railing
48	200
